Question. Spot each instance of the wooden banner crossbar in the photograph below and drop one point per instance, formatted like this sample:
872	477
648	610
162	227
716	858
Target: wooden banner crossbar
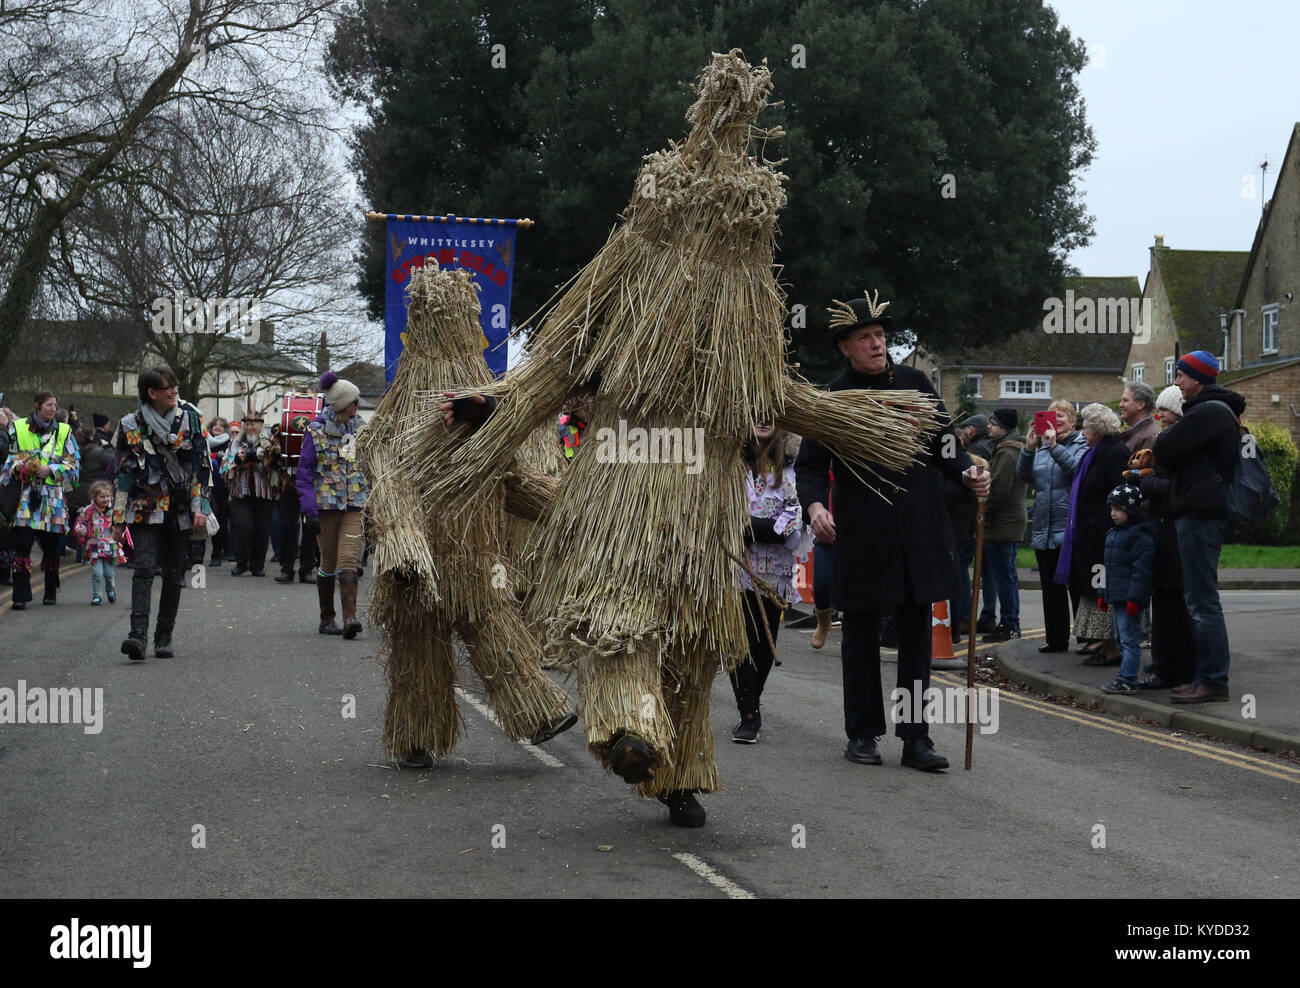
451	218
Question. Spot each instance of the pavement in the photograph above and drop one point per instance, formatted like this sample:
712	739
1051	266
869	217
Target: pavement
251	765
1229	579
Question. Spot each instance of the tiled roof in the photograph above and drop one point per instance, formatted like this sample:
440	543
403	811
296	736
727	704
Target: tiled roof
1200	285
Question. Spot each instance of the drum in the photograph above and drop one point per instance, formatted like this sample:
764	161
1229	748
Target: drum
296	413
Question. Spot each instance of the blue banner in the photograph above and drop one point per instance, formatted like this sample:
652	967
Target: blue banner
483	247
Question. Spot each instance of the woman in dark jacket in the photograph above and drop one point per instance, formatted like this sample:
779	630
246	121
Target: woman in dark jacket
1084	548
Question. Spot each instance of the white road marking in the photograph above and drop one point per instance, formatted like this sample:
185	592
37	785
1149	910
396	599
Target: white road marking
545	758
733	890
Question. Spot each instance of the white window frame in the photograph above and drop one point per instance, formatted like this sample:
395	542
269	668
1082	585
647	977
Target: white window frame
1034	380
1171	368
1139	372
979	384
1265	312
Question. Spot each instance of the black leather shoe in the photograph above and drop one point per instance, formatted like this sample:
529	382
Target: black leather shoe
286	576
1155	682
558	726
307	576
684	810
162	646
416	758
239	570
1099	659
259	572
919	753
1049	649
630	758
986	626
863	751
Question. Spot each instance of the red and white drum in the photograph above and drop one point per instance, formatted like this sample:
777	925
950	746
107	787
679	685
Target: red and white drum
296	413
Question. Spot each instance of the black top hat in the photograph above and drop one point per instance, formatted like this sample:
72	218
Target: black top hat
99	420
856	313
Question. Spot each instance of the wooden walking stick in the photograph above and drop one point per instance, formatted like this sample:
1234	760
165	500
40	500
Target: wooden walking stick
970	645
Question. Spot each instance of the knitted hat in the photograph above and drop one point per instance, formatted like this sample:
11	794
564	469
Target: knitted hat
339	394
1127	496
1007	418
1200	365
99	420
1170	400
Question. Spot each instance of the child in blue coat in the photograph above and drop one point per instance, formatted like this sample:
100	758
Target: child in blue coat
1129	568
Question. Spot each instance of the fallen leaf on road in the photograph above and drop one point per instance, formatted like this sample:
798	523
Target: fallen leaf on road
385	796
606	847
467	850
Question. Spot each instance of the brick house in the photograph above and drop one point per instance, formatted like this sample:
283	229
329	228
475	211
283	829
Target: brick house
1048	361
1263	324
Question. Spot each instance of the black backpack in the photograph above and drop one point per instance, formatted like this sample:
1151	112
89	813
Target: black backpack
1250	495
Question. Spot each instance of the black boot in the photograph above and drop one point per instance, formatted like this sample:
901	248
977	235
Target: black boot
631	758
51	587
137	642
919	753
169	601
22	588
684	810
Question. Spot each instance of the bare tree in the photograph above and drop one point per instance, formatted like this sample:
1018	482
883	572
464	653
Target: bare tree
81	81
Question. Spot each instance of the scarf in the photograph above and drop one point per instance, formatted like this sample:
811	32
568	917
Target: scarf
1062	574
39	425
166	442
217	443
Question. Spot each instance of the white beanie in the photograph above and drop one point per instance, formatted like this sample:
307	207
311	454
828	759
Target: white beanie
339	394
1171	400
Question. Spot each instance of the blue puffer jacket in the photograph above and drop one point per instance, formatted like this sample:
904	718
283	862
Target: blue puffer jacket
1130	560
1050	472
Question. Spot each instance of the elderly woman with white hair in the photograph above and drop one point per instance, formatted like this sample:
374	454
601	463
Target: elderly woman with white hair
1084	545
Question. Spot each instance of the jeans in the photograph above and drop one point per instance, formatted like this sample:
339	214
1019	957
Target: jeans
1000	567
103	576
1130	642
1199	543
822	557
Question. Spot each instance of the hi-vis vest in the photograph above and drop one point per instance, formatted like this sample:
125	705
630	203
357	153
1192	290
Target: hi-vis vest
30	441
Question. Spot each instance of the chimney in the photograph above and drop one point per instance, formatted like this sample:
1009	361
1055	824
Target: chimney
1160	241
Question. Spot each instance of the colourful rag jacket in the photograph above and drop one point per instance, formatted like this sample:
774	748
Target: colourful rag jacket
251	477
570	430
778	549
329	475
94	532
42	505
149	476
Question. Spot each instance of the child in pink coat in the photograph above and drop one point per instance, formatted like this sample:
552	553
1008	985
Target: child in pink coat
94	533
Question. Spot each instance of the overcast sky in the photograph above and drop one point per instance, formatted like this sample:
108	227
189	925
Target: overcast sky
1186	98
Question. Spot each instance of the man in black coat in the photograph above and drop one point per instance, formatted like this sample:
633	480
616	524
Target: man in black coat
1200	453
894	556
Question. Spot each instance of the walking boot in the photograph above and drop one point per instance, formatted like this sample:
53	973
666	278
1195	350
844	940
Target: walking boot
286	576
169	602
325	592
51	587
22	578
684	810
137	642
348	595
823	627
919	753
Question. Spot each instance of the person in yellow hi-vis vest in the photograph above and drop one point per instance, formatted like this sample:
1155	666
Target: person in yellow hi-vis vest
43	459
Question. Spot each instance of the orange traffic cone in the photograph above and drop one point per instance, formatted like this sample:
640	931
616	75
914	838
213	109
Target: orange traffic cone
941	656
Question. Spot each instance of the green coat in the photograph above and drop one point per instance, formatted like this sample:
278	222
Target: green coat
1004	514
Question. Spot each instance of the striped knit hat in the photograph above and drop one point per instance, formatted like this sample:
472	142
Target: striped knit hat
1200	365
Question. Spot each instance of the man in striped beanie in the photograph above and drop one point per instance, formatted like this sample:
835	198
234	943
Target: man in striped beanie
1200	453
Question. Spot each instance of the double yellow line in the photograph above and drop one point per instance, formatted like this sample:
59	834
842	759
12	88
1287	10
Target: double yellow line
1274	768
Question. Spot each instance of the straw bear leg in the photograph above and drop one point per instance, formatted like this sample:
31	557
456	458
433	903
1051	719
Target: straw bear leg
506	656
421	711
687	690
622	694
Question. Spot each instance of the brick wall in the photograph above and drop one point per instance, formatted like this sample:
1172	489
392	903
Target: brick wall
1276	271
1258	391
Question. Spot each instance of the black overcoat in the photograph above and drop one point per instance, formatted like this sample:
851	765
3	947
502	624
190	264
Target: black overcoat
876	542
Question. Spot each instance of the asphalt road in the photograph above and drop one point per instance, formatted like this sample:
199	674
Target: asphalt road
243	735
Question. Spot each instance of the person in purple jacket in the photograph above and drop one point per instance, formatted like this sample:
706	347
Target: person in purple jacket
332	487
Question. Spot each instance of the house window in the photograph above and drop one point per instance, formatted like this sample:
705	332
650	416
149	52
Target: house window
1169	370
977	382
1139	372
1026	387
1270	329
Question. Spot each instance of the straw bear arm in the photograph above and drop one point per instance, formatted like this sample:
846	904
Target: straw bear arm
529	492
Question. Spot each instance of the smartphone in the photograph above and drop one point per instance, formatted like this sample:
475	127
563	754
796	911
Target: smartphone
1044	421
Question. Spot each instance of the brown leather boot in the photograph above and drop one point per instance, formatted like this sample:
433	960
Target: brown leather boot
823	627
348	592
325	591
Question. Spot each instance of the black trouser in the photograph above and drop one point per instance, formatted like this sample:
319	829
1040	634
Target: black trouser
1173	637
251	518
864	703
162	546
22	540
749	678
290	511
221	508
1059	601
